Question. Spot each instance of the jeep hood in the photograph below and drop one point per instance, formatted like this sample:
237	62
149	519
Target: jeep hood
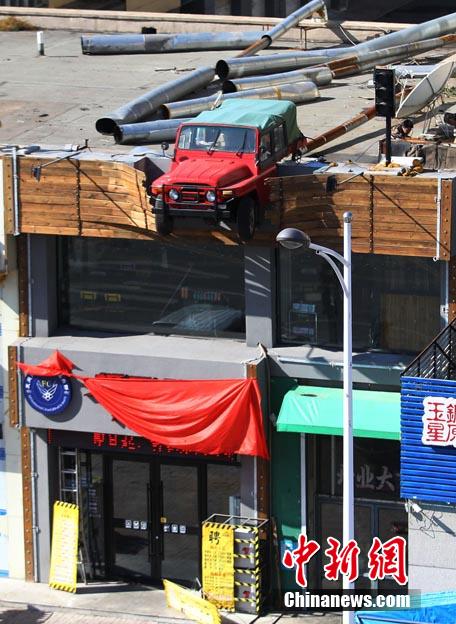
211	172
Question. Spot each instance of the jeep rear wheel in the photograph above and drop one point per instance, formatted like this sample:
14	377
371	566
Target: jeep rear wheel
246	218
163	222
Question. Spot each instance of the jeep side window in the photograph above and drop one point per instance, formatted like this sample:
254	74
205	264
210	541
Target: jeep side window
185	137
265	147
279	139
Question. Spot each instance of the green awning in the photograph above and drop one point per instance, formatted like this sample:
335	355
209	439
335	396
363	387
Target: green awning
312	409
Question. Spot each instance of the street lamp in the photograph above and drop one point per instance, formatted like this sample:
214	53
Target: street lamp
291	238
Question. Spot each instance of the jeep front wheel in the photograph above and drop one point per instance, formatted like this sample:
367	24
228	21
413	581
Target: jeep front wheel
246	218
163	222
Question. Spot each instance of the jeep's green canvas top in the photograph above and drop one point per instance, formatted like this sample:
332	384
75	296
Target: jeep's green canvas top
260	114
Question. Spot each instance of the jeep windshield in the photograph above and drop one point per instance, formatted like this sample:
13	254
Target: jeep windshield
217	138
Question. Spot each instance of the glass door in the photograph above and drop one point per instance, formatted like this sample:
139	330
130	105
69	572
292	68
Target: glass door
132	539
180	522
372	518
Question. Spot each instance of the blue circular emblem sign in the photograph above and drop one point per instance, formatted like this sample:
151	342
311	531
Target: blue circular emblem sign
48	395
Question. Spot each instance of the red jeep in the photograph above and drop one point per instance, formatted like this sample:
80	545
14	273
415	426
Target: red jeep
221	161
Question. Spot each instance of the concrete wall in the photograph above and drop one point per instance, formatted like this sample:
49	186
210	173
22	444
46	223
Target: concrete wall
432	547
11	517
120	21
154	5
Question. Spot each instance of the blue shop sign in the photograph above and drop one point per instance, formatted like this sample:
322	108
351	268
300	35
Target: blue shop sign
48	395
428	439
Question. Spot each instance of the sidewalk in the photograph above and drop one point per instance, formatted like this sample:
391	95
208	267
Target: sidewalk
110	603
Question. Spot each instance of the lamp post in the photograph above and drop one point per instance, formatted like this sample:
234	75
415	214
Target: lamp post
292	238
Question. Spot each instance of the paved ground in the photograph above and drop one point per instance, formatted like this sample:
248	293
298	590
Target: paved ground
111	603
56	99
33	615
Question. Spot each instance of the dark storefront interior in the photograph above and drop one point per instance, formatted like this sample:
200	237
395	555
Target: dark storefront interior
133	286
396	302
141	508
378	508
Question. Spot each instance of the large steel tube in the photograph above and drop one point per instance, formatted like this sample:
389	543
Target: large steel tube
143	107
319	75
238	67
148	131
294	18
147	104
434	28
346	66
338	131
272	63
282	27
150	44
297	92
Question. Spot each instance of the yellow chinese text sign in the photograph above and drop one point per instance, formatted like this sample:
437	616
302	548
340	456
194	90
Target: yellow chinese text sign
218	564
64	551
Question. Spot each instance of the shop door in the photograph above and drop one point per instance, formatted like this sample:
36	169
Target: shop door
132	520
156	518
180	523
372	518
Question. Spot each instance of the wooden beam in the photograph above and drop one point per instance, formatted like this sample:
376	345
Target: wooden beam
13	390
27	503
8	194
446	205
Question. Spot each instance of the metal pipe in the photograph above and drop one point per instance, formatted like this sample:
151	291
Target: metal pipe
367	60
297	92
338	131
148	131
282	27
33	484
348	486
144	106
17	230
143	44
234	68
30	310
319	75
345	66
267	64
315	6
151	44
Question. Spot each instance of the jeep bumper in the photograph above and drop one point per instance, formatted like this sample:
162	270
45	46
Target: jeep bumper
217	213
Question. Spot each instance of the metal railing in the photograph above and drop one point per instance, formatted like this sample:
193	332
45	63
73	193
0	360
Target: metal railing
438	359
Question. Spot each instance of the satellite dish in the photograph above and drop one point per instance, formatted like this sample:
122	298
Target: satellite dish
426	90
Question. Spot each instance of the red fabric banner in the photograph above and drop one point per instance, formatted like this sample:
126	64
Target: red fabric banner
56	364
211	417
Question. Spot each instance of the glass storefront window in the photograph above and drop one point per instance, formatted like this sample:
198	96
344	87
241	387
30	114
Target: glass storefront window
377	469
396	302
138	287
223	490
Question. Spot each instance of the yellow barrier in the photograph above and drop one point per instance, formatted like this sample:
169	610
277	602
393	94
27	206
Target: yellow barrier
64	551
190	605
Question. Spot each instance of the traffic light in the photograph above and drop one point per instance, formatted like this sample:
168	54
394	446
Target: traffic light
385	101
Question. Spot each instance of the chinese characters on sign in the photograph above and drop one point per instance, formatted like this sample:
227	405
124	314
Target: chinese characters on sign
103	440
439	421
384	559
367	479
218	564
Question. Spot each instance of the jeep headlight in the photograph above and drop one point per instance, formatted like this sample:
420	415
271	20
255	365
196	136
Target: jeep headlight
174	195
211	196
